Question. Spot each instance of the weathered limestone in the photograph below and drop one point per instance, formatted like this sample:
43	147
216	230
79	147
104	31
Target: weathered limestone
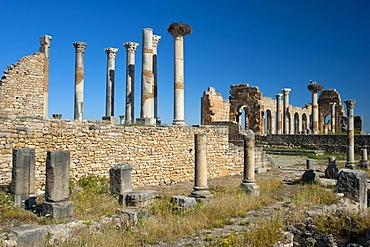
179	31
364	163
315	88
183	202
309	175
109	102
22	186
332	170
45	48
286	92
57	203
147	80
353	183
130	80
120	178
200	182
156	39
350	134
79	80
30	235
249	183
333	117
138	198
278	113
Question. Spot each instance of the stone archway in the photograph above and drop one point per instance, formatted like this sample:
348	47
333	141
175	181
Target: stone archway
268	122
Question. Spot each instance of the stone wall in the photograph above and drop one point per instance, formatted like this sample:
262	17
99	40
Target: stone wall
162	155
214	107
22	87
329	143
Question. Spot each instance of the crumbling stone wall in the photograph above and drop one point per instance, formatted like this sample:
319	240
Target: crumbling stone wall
326	98
22	87
162	155
214	107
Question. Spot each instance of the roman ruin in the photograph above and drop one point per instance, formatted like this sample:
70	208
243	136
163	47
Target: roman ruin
109	101
156	39
350	134
79	80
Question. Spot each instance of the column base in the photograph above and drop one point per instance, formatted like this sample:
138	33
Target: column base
251	188
178	122
146	121
350	165
58	210
364	164
201	193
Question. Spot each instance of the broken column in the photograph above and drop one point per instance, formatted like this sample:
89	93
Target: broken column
364	163
22	186
200	181
179	31
286	92
333	117
350	134
156	39
331	171
45	48
249	183
315	88
120	178
278	113
130	80
79	80
309	175
109	100
147	80
57	203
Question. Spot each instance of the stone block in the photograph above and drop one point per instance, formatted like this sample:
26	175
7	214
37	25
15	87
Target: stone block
309	176
58	210
30	235
138	198
135	215
251	188
120	178
109	120
310	164
23	176
353	183
260	170
182	202
57	176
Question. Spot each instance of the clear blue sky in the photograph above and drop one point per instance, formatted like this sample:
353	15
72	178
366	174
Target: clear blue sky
270	44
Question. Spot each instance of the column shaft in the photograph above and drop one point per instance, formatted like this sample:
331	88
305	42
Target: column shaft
200	161
333	117
156	39
109	101
286	111
130	80
249	159
315	113
179	117
79	80
278	113
350	134
45	48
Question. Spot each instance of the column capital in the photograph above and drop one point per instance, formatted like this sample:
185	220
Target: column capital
286	90
45	40
156	39
179	29
314	87
350	103
278	95
131	46
111	52
79	46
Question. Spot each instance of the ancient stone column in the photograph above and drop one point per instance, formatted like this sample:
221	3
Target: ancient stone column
333	117
278	113
350	134
79	80
315	88
147	80
45	48
364	163
179	31
109	101
200	181
286	92
22	186
156	39
130	80
249	183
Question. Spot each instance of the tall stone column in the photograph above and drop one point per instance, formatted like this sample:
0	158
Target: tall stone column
315	88
79	80
200	181
278	113
45	48
286	124
156	39
179	31
130	80
249	183
111	67
147	80
350	134
333	117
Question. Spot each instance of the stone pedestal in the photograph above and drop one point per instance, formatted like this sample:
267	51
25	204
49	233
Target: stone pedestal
249	184
364	163
22	186
79	80
200	182
310	164
120	178
109	100
350	134
130	80
331	171
309	175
